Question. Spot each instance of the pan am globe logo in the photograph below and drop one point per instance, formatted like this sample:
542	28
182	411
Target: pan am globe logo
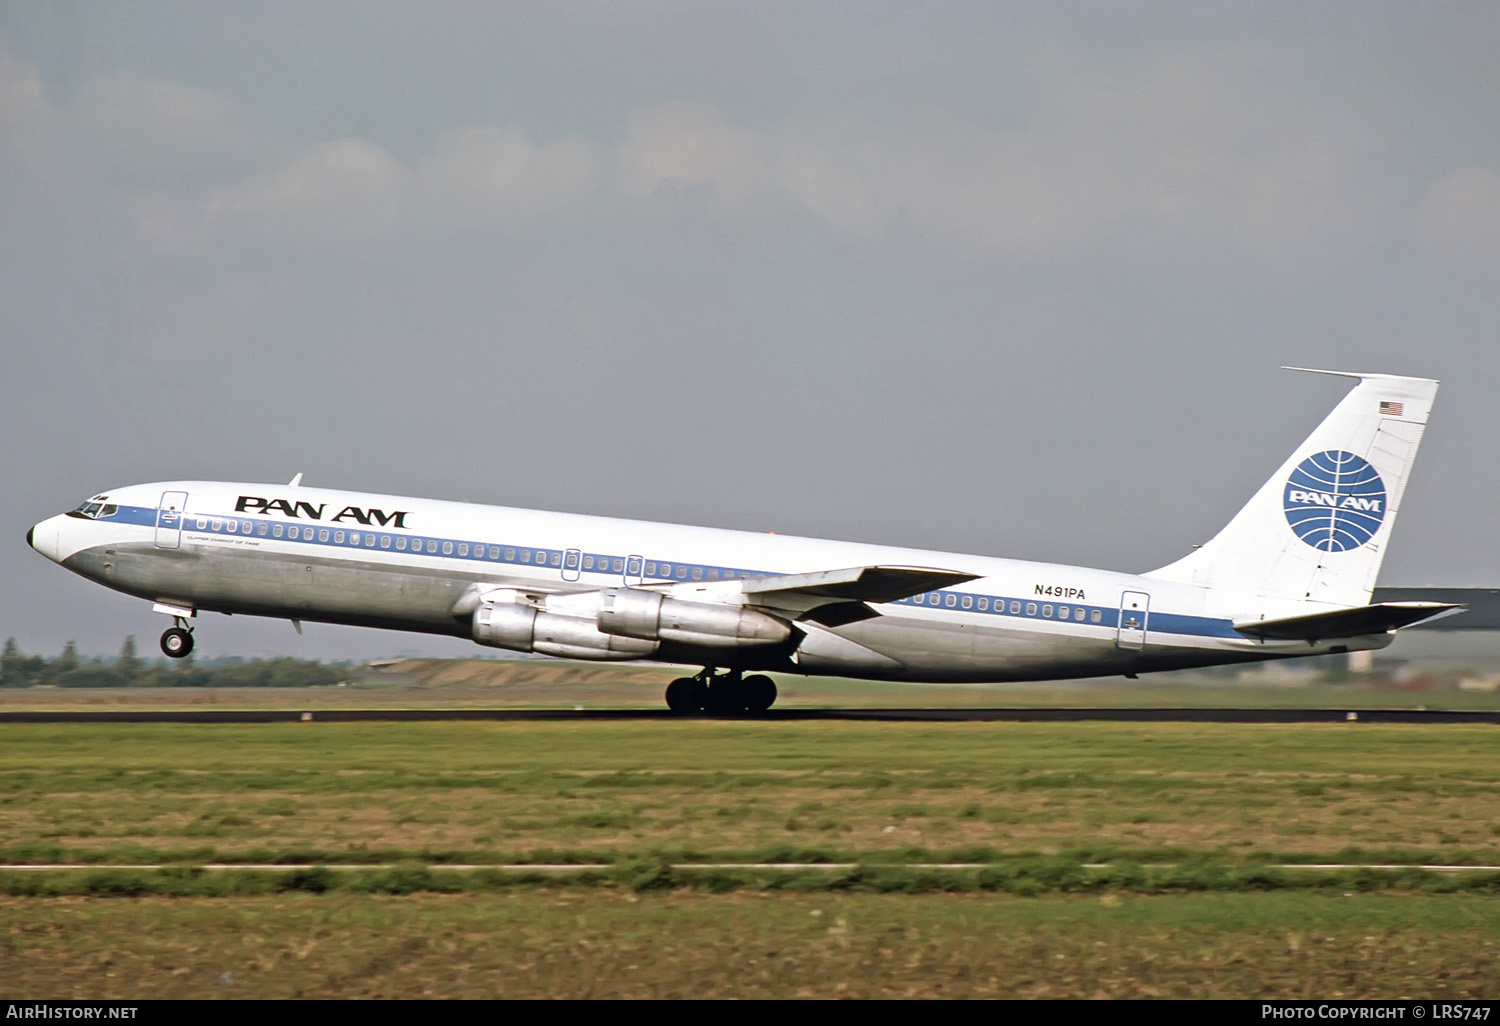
1334	501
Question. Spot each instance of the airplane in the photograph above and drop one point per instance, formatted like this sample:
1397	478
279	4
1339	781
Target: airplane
1290	575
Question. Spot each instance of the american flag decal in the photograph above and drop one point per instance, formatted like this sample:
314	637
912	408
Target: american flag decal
1390	409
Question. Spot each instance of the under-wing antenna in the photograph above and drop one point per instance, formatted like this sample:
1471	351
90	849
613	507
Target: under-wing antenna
294	482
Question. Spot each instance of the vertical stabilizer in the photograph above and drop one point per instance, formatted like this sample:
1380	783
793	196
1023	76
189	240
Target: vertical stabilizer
1318	529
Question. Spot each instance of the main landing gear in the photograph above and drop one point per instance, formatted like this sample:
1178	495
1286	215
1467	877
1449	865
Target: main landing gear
724	694
177	641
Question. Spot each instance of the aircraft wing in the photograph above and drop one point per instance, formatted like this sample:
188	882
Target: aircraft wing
1346	623
837	597
856	584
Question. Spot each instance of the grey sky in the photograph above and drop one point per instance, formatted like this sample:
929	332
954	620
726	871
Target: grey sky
1000	278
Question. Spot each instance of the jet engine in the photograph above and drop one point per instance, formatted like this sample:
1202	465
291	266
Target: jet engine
524	628
635	613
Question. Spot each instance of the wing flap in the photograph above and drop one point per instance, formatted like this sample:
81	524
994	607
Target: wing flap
1346	623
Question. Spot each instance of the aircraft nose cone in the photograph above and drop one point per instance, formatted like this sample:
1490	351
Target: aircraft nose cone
43	538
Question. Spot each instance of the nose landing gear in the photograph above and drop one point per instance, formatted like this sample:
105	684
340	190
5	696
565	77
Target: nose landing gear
177	642
724	694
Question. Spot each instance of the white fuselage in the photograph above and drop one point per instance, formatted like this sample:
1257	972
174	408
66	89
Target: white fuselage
413	564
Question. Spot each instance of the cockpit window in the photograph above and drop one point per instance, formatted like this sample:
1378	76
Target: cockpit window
95	508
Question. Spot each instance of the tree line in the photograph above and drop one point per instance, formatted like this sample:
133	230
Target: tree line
129	670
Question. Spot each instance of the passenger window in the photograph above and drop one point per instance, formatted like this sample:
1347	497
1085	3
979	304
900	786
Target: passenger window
650	569
293	531
401	544
697	573
1015	607
713	575
619	565
934	599
463	548
338	537
1046	610
510	555
1078	613
984	604
1094	616
950	601
261	530
370	540
1031	609
276	531
588	562
1062	612
202	524
681	572
447	548
666	569
494	552
323	534
526	555
385	541
968	602
541	557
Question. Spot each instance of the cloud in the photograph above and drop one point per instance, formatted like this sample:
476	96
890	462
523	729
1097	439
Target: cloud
494	175
1209	143
352	190
347	190
678	146
23	99
1458	221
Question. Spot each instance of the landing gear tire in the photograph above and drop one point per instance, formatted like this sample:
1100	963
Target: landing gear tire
684	696
726	696
723	694
759	693
176	643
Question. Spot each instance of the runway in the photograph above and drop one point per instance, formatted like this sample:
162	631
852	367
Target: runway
996	715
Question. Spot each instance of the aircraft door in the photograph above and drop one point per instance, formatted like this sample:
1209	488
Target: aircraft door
1135	609
169	519
572	565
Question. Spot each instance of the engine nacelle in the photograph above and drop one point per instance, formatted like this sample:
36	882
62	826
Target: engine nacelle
524	628
636	613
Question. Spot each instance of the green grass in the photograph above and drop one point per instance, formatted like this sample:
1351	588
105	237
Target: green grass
1191	819
492	792
531	944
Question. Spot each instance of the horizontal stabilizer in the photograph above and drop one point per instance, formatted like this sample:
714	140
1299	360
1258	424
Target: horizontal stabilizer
1346	623
857	584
